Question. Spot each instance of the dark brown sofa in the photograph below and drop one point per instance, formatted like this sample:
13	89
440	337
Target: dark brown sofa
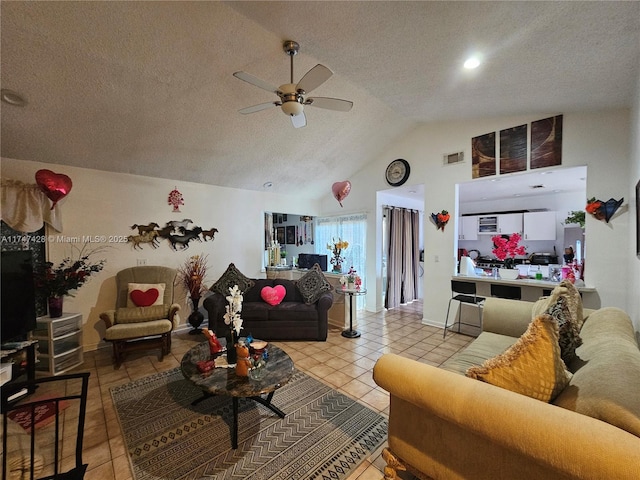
292	319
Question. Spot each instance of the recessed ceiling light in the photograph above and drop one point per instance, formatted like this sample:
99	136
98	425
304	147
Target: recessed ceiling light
12	98
471	63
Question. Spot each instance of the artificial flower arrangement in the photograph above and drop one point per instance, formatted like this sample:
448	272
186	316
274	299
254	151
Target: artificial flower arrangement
336	249
232	317
507	248
351	280
192	274
68	275
440	219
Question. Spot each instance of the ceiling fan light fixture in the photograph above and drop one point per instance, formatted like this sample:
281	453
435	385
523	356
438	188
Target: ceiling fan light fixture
292	108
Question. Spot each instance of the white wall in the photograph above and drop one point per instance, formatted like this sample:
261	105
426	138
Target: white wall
104	203
633	307
599	140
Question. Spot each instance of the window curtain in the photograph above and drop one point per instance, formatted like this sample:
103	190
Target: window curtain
25	208
402	257
353	229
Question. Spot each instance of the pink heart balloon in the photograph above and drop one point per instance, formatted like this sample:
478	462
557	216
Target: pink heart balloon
341	190
54	185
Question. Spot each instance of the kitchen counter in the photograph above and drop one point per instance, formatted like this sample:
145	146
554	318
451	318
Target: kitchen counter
531	289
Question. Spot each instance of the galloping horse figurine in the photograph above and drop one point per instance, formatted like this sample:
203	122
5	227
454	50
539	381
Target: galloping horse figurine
185	239
209	233
145	228
177	224
146	237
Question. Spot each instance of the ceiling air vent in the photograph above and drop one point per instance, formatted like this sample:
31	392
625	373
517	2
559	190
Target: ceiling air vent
451	158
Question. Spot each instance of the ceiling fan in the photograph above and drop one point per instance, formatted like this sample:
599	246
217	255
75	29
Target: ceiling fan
293	97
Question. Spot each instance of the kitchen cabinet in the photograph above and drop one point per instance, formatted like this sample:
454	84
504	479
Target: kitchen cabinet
509	223
468	228
506	223
60	343
488	224
539	225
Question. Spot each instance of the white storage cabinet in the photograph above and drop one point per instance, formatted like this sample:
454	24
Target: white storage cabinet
509	223
59	343
468	228
540	226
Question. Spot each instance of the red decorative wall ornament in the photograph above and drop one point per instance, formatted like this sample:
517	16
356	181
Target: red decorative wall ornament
175	200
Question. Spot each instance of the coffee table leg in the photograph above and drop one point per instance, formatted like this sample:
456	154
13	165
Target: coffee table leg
267	403
234	430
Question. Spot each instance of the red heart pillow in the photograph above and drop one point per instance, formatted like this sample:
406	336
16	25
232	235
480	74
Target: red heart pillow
273	295
146	298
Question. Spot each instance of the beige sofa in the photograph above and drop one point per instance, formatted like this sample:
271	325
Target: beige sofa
444	425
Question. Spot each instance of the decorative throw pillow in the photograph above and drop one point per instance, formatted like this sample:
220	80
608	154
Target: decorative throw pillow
565	306
145	294
273	295
232	276
313	284
532	366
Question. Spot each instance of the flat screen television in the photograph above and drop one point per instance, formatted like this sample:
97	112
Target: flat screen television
307	260
18	307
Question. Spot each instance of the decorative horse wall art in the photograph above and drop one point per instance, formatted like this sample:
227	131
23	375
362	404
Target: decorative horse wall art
177	224
151	233
209	233
145	228
145	237
186	238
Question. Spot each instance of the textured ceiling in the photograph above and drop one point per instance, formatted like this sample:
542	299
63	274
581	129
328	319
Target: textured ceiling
147	87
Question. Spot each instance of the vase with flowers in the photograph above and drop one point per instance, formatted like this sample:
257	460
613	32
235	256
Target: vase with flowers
58	281
233	319
336	249
506	248
192	274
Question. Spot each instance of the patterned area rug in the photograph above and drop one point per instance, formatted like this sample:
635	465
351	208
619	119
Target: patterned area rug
325	434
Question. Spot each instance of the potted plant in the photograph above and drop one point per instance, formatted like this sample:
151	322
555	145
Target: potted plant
192	274
57	281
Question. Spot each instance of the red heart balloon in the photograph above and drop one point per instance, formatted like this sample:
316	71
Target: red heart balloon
341	190
54	185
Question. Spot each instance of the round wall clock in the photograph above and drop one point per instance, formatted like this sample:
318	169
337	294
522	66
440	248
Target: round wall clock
397	172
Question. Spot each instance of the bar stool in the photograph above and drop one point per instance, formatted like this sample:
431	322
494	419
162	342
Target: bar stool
465	293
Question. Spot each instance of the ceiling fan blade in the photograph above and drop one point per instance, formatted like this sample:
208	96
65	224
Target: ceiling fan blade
259	107
330	103
299	121
314	78
256	81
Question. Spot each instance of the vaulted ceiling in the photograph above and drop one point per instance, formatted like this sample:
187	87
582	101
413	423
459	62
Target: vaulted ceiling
147	87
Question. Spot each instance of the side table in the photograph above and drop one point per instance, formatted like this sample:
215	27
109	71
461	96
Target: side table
351	333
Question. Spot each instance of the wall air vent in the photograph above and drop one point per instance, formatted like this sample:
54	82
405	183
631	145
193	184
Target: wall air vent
452	158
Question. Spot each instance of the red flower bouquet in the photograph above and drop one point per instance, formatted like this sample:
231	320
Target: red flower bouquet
506	248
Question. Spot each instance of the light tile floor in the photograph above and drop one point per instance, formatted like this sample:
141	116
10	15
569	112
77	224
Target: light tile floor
345	364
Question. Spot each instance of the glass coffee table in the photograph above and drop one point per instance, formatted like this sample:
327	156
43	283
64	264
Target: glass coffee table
224	381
